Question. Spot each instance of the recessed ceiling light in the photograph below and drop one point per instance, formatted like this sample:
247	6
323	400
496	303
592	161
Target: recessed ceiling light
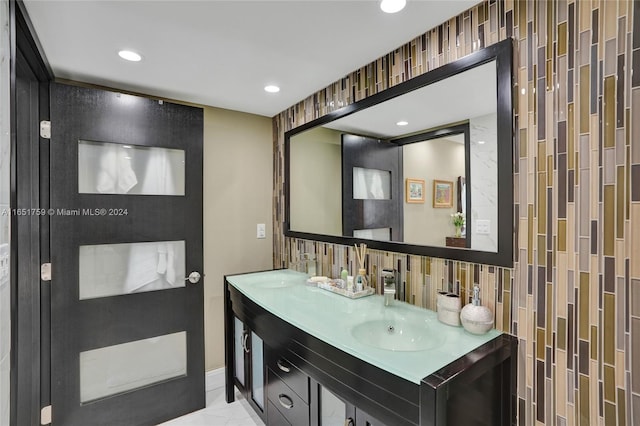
392	6
402	123
271	89
480	142
130	55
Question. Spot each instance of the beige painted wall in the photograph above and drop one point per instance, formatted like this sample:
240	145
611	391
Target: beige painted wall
316	181
438	159
238	191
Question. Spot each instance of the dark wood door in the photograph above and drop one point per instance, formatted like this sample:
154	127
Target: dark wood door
375	167
126	229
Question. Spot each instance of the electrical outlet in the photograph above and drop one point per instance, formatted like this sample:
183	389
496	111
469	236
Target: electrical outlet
261	231
483	227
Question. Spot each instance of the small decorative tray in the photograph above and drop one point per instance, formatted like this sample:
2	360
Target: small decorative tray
368	291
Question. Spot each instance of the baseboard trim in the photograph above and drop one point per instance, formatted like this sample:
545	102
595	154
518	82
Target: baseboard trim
214	379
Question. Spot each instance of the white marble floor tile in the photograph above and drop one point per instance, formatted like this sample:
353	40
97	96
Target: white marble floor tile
219	413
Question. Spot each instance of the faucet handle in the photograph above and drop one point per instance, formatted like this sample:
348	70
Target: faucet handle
389	277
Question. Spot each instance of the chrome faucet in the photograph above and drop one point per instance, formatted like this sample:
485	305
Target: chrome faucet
390	282
309	263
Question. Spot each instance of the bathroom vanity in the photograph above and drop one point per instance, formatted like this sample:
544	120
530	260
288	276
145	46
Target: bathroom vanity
305	356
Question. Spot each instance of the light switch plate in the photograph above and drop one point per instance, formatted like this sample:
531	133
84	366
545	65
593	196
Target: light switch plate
483	227
261	231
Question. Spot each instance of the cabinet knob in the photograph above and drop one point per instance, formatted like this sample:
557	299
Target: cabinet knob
285	401
349	422
283	367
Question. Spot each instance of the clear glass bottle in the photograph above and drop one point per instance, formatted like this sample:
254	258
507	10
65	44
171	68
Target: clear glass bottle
361	280
344	274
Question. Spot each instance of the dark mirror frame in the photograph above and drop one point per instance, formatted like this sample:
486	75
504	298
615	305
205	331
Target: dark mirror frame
502	53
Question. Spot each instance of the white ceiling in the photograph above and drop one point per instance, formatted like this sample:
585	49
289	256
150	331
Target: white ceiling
466	95
222	53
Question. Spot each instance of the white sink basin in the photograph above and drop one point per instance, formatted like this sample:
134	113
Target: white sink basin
279	279
396	335
276	284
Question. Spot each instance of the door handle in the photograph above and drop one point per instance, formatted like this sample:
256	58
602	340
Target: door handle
193	277
285	401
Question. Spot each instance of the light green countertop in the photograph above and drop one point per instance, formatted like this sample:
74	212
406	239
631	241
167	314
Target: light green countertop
332	319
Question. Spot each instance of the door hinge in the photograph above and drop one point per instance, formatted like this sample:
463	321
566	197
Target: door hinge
45	129
45	272
45	415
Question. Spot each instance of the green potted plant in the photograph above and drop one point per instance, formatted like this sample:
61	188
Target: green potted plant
458	221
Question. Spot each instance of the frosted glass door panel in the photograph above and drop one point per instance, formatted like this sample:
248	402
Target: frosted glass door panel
332	409
113	269
380	234
257	370
371	184
120	368
113	168
238	349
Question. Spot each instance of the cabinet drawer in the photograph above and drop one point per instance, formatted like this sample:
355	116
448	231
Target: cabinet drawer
274	417
289	373
290	405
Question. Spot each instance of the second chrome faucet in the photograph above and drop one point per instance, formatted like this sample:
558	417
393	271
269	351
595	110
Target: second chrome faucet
390	285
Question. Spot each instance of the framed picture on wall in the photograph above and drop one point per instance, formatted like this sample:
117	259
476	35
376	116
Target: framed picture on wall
414	190
442	194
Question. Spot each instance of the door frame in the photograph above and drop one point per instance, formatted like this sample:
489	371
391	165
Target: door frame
30	331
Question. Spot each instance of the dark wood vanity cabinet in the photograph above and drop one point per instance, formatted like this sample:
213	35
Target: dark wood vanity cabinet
309	382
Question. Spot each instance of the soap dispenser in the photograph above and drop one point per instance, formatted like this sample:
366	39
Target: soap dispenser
475	318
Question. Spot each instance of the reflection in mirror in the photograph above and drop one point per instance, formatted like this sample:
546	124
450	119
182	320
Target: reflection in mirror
321	203
347	173
461	201
434	159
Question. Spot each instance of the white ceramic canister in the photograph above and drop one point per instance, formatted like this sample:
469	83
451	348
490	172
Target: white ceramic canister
448	308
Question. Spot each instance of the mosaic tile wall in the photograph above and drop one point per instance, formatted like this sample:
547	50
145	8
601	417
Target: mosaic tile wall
573	296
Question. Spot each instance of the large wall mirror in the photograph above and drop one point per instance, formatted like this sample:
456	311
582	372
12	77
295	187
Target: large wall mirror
393	169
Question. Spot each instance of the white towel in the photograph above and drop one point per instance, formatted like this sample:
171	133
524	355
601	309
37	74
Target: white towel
376	190
115	175
154	266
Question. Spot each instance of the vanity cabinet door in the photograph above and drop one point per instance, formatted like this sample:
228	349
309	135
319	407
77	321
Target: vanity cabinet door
257	370
328	409
249	365
364	419
239	350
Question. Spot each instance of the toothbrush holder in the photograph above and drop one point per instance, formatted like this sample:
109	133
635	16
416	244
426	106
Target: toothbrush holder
448	308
